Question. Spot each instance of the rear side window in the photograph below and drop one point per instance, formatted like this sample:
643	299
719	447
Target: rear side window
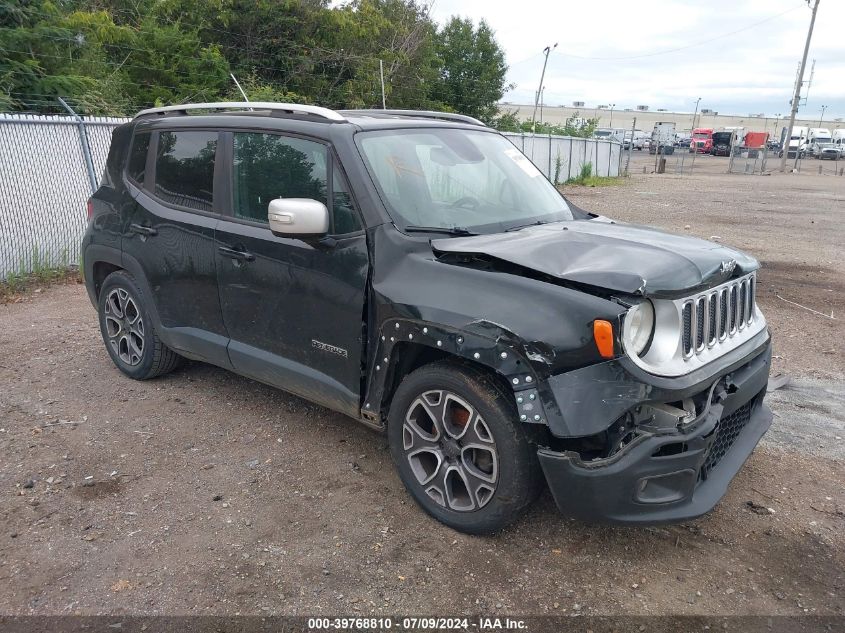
137	165
268	166
184	173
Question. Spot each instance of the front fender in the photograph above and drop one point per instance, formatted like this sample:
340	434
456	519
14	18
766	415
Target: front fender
483	344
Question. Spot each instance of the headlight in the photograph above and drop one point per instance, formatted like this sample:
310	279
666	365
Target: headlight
638	328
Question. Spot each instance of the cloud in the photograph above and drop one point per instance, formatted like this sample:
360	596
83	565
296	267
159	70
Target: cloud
752	70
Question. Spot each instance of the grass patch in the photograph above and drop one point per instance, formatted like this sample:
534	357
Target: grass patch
16	285
37	274
587	179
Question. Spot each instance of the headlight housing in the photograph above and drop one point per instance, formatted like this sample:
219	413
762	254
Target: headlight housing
638	328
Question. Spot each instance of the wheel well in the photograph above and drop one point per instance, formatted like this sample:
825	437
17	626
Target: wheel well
101	271
408	357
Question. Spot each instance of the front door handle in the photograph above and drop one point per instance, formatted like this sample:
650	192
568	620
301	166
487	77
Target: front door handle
143	230
242	256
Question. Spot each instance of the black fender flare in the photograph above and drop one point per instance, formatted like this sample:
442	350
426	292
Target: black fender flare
98	253
500	354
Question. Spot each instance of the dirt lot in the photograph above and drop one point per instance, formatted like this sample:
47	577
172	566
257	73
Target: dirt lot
203	492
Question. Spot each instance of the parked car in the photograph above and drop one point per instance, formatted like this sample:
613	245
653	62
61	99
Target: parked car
640	140
825	151
417	273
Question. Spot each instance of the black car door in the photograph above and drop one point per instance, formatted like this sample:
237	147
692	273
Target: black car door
293	308
169	236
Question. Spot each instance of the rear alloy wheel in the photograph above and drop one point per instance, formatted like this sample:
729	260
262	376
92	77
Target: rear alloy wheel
128	331
459	448
124	326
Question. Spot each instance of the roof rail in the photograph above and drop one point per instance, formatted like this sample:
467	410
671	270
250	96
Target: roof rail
423	114
293	108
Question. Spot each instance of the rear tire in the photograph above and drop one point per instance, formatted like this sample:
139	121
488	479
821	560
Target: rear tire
460	450
128	331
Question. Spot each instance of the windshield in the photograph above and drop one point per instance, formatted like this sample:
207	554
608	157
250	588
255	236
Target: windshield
701	135
601	133
455	178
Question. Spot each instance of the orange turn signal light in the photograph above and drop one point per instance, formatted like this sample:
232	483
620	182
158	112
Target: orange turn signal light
603	335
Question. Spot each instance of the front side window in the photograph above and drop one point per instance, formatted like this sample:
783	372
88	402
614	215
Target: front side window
184	173
137	164
456	178
268	166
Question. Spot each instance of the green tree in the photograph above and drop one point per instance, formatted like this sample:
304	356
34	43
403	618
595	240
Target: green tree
118	56
472	69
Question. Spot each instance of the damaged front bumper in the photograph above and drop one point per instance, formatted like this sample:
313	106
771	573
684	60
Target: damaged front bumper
670	474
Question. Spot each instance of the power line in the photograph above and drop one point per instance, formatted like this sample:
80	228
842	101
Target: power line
681	48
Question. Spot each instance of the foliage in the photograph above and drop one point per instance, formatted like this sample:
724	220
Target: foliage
472	68
36	272
118	56
574	126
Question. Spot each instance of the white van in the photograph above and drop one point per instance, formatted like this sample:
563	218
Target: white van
838	140
796	141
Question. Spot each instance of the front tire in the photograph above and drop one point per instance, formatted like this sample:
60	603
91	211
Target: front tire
460	451
128	331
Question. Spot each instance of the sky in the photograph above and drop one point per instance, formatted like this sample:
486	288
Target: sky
739	56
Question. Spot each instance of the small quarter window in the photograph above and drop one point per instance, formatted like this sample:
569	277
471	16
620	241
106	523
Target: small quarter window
137	165
344	216
184	173
268	166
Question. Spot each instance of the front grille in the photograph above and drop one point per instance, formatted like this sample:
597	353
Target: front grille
726	431
699	320
687	329
732	308
711	315
711	319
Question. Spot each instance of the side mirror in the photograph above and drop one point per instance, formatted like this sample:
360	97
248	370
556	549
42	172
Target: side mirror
298	216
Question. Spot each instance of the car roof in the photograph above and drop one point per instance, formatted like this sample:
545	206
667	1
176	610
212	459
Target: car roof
363	119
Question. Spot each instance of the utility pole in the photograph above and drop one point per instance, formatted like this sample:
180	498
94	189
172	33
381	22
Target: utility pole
542	100
612	105
824	107
692	134
796	98
695	114
546	51
630	145
381	73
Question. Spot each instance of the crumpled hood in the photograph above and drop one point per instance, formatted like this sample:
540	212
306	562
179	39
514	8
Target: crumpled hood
623	258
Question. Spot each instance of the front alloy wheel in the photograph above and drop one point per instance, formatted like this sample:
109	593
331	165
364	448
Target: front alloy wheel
450	450
460	449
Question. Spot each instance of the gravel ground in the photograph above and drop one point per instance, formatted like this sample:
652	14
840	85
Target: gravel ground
203	492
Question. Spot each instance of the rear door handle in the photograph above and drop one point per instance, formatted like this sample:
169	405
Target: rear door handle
142	230
242	256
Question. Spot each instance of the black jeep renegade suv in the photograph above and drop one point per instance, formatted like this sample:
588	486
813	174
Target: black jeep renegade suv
416	272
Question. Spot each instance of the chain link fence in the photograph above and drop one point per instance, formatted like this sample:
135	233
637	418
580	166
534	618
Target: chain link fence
563	157
49	166
46	177
751	160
